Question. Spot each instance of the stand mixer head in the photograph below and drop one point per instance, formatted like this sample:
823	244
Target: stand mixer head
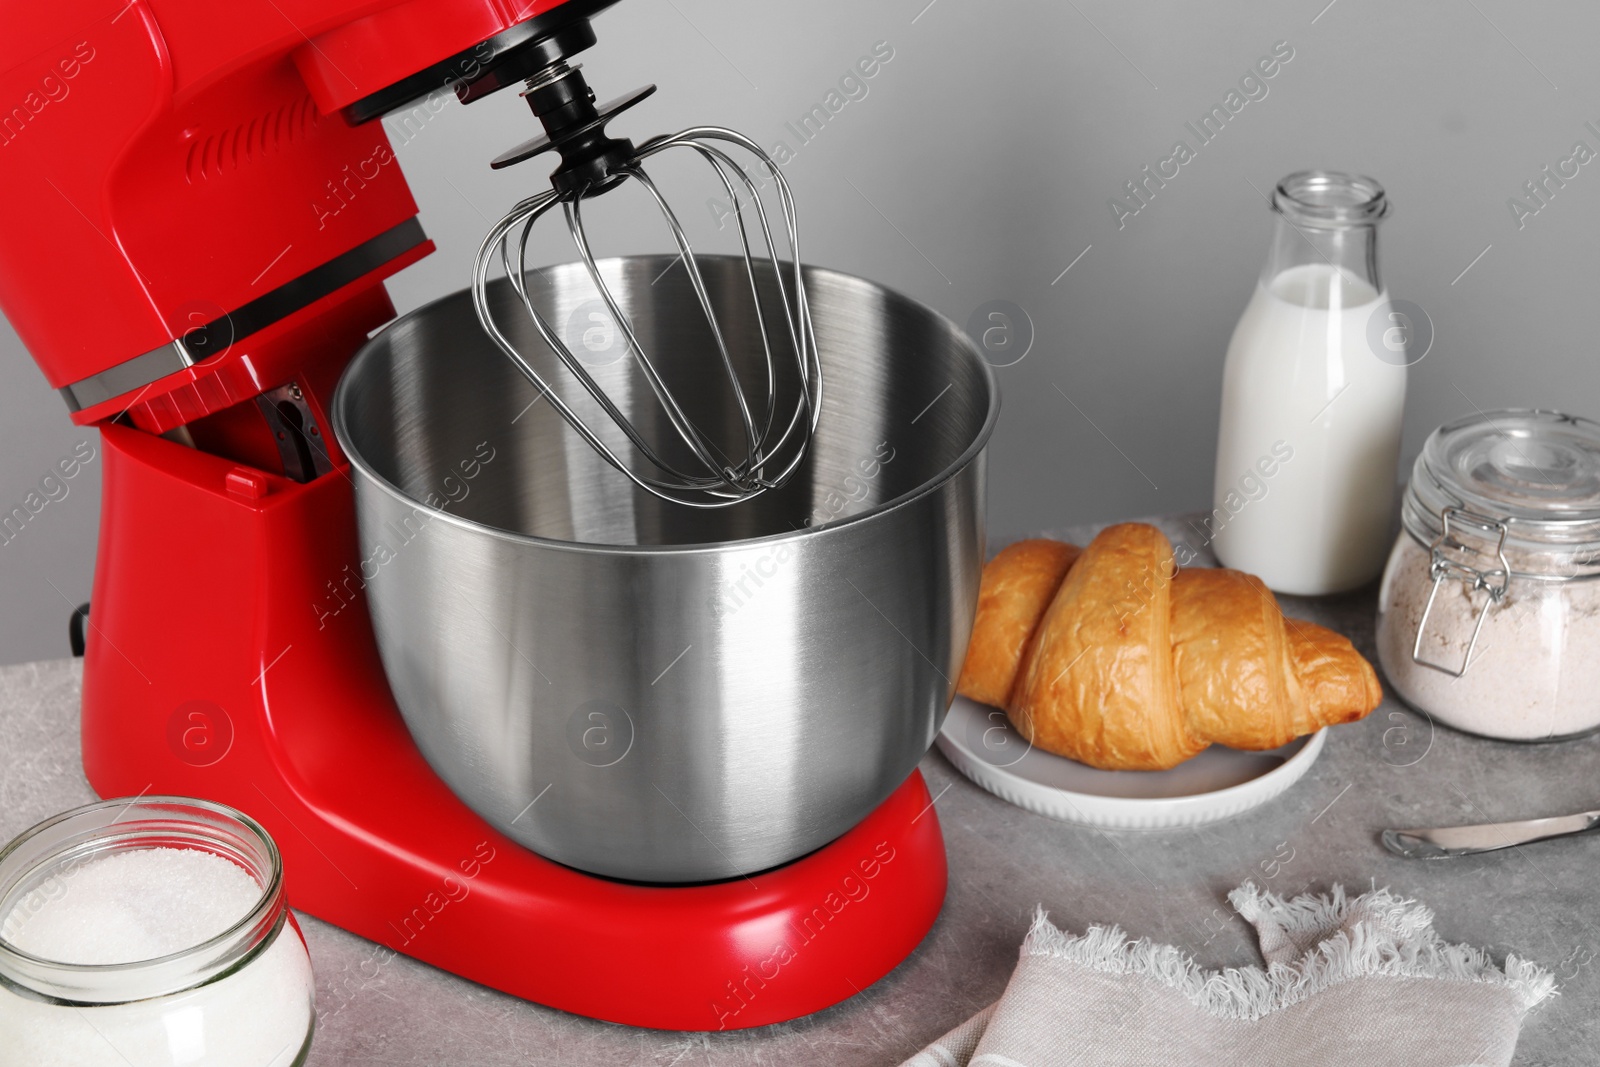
775	422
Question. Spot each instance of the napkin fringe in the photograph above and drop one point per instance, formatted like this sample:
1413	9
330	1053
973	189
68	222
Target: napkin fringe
1376	934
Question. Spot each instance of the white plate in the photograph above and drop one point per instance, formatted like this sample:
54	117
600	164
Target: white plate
1217	783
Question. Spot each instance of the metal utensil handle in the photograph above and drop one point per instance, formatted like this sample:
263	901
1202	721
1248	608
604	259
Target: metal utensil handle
1440	567
1447	841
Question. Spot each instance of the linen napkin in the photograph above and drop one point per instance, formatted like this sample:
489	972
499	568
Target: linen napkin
1348	981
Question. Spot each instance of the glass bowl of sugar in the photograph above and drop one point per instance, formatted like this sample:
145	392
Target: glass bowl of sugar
150	931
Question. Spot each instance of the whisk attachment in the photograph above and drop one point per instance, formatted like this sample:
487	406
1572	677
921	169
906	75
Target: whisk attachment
776	419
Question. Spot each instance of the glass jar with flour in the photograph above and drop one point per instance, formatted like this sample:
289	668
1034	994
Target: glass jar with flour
1489	610
150	931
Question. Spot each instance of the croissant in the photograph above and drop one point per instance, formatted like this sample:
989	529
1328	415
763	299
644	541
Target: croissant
1017	587
1134	665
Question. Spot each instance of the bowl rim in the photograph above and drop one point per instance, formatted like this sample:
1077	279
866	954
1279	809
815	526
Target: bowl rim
979	442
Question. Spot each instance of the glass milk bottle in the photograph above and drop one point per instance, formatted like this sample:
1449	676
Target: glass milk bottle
1312	396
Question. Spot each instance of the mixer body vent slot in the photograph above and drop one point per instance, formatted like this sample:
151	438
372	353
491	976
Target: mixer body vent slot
215	154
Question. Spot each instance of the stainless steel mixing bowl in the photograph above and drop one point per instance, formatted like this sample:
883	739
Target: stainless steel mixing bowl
638	689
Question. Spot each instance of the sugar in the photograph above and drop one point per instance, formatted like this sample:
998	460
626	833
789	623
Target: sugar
139	905
132	905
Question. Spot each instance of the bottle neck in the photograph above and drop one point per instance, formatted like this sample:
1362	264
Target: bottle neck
1331	267
1325	240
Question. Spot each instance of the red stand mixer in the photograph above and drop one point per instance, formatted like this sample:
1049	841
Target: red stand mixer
213	175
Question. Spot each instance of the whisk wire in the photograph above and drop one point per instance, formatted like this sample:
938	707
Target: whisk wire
807	344
686	429
717	159
518	277
697	282
766	463
562	352
803	340
533	207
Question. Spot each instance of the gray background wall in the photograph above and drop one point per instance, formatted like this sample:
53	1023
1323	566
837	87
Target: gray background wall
978	167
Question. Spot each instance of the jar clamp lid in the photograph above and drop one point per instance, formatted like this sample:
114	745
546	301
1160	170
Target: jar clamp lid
1505	494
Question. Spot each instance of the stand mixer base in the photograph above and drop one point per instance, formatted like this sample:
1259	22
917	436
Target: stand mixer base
239	666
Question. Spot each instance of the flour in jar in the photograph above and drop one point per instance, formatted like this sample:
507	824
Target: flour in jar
1535	672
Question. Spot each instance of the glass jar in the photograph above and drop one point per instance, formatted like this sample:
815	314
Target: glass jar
1309	436
1489	614
243	998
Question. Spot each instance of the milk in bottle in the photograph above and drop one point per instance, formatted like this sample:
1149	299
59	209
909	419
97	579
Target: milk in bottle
1311	405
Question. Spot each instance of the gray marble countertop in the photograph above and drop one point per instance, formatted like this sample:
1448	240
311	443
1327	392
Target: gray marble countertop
1392	769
